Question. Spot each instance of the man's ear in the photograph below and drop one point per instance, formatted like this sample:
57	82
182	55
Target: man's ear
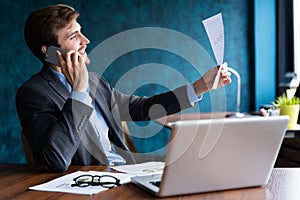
44	49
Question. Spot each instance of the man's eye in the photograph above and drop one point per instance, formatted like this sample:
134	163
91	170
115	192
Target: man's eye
72	37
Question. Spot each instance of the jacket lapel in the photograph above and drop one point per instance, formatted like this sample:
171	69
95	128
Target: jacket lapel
54	82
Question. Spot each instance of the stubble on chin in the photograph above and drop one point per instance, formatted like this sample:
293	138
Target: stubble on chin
87	61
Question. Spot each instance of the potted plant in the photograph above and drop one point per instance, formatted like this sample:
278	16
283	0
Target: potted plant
288	106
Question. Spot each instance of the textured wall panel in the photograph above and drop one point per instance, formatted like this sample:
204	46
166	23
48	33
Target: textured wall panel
103	19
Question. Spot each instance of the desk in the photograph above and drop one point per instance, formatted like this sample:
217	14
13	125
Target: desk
290	133
190	116
294	133
15	180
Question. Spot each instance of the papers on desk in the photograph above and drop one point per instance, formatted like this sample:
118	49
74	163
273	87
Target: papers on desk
147	168
63	184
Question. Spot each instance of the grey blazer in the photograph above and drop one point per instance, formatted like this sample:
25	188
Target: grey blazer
58	127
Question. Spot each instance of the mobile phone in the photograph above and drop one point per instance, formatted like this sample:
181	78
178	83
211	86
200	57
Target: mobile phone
51	56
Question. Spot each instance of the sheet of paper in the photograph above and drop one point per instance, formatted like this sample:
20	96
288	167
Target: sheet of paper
63	184
142	169
215	30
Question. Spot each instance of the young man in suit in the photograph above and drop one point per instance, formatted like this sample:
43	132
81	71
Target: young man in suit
73	117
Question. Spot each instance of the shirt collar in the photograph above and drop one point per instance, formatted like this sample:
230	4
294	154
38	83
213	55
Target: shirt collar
62	78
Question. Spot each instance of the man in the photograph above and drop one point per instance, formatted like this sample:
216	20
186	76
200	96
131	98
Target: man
71	116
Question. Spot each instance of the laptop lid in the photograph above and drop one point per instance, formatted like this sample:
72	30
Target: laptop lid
219	154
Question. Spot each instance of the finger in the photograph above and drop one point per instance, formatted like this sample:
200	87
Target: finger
225	73
224	67
226	80
60	58
75	57
69	57
81	60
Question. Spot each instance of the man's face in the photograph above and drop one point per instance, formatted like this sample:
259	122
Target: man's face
71	38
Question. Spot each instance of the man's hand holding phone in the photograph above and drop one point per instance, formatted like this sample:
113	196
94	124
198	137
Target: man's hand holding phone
51	56
74	69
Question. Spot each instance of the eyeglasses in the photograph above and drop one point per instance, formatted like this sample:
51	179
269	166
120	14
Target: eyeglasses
106	181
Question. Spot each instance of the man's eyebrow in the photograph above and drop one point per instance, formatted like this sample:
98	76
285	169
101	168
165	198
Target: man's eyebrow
75	32
69	35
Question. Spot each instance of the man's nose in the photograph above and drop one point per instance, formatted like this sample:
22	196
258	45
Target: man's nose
84	40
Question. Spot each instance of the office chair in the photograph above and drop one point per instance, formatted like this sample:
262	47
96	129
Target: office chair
128	141
27	149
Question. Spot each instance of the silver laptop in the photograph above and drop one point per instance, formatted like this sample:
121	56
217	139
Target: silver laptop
218	154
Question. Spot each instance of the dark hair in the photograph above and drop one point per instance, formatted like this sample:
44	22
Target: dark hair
42	25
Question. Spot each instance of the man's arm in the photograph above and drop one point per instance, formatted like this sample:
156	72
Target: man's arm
149	108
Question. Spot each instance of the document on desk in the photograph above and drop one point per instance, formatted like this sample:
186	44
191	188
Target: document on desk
147	168
63	184
215	30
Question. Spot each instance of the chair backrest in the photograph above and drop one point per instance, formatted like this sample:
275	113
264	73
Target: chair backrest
128	141
27	149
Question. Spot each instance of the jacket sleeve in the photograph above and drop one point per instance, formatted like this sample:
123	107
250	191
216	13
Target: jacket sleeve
52	132
135	108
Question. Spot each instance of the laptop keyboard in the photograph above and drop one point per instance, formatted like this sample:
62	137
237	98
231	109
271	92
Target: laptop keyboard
156	183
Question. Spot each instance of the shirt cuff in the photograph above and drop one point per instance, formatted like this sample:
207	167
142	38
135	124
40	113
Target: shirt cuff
193	98
82	97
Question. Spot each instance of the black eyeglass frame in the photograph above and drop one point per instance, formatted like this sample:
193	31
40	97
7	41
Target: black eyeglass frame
96	181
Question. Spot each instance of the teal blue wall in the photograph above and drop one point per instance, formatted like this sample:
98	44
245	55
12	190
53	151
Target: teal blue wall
103	19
